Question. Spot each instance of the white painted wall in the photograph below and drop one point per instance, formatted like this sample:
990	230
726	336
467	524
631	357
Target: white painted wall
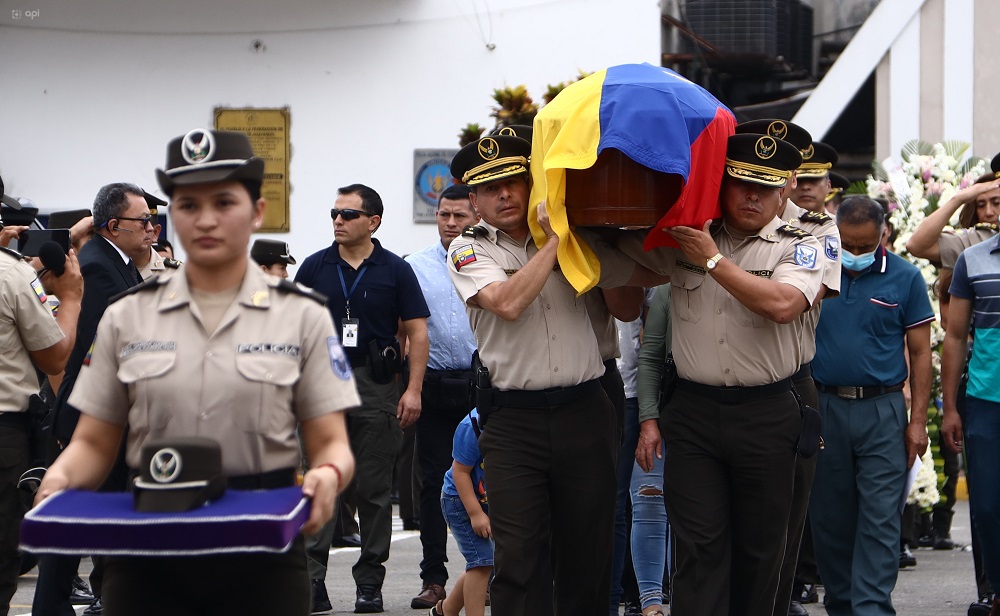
92	95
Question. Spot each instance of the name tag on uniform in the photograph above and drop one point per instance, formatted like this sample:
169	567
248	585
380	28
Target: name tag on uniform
350	333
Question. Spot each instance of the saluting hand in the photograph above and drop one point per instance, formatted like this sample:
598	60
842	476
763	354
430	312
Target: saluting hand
697	244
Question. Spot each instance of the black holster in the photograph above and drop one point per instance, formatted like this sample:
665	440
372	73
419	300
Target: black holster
810	436
384	363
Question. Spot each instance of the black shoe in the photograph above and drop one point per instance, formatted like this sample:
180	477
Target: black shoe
944	543
96	609
81	593
320	600
411	524
809	594
925	541
906	558
795	609
983	606
347	541
632	609
369	600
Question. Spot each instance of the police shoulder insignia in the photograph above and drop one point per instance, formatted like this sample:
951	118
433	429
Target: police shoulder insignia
817	217
474	231
805	256
338	360
794	231
463	256
150	283
172	263
12	252
36	286
293	287
991	226
832	247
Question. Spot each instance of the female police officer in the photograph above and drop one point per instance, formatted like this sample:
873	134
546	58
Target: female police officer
217	349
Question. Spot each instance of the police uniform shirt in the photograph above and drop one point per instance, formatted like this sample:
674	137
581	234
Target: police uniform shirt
157	264
274	360
604	325
451	338
821	226
717	340
952	243
26	324
552	343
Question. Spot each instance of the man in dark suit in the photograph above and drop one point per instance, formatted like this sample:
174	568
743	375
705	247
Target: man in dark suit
121	222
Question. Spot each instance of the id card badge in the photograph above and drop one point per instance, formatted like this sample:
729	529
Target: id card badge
349	338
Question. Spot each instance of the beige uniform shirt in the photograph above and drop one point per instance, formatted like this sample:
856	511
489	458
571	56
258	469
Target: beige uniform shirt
26	324
604	324
716	339
274	361
823	228
157	264
952	243
552	343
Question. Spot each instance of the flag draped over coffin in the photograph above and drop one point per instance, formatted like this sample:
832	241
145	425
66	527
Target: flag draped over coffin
652	115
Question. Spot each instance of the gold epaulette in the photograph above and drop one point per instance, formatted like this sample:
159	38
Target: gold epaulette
992	226
794	231
816	217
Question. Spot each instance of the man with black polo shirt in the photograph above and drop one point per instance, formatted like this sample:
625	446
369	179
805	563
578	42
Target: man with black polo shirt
370	291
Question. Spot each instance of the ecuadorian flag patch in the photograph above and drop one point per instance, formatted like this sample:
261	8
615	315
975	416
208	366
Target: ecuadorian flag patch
90	352
463	257
39	291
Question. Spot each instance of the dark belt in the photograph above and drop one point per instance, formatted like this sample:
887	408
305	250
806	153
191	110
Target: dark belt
15	419
805	372
271	480
859	393
543	398
731	395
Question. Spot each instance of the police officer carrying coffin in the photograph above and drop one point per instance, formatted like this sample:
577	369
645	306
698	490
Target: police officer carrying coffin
732	424
30	337
548	440
237	356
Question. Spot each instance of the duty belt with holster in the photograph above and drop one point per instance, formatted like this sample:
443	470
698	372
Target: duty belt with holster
449	390
383	363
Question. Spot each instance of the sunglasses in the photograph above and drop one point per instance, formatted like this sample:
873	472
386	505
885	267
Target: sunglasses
347	214
147	220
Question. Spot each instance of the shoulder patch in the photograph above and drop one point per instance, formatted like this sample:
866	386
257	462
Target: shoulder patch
338	359
36	286
794	231
12	252
298	289
474	231
832	247
172	263
463	256
817	217
150	283
805	256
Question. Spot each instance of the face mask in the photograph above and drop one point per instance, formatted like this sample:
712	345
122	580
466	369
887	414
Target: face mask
857	263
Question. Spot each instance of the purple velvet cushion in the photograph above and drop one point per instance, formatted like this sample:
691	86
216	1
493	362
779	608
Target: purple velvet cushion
83	522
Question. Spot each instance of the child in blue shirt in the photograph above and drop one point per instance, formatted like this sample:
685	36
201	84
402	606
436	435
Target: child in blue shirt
463	502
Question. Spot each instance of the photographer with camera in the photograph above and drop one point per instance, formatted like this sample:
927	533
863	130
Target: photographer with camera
371	291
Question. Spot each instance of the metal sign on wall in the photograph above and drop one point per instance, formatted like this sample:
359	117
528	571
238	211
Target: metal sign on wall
431	175
268	130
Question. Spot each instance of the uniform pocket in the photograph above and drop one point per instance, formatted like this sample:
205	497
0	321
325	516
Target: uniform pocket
141	372
265	399
685	296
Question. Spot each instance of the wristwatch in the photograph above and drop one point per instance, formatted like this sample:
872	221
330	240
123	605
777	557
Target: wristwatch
711	263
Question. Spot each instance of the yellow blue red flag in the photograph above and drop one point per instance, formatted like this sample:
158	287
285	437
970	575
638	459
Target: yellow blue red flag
655	117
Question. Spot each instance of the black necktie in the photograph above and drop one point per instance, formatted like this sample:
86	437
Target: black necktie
136	278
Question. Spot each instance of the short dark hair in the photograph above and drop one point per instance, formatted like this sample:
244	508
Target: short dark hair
455	192
112	201
857	210
370	201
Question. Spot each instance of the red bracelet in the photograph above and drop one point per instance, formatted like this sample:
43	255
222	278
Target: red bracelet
340	477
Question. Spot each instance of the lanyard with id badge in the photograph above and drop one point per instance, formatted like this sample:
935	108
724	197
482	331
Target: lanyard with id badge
349	333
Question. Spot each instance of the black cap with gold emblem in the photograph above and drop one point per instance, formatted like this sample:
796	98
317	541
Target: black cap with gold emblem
269	252
995	166
779	129
203	156
838	184
491	158
179	474
514	130
154	202
761	159
817	160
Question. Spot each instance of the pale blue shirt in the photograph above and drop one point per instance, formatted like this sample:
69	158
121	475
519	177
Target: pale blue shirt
451	338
